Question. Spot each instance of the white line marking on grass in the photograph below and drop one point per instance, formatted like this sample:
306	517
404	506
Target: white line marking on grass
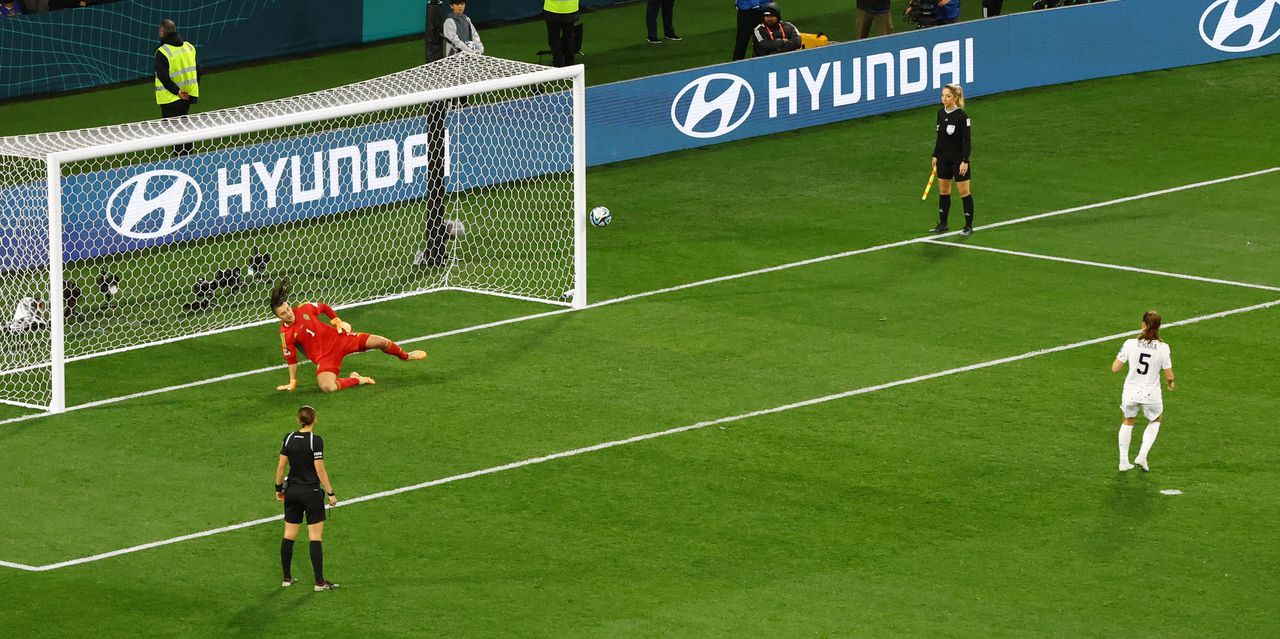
10	564
646	437
1118	267
1130	198
670	289
932	238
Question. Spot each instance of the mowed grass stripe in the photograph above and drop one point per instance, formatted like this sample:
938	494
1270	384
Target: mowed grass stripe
645	437
692	356
217	343
814	519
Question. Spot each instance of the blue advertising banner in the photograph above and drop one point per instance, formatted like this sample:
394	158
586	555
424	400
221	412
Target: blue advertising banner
309	176
688	109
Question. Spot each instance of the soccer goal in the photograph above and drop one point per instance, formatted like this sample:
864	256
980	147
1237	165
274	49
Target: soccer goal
465	174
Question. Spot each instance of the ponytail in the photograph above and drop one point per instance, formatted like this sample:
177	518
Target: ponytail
280	294
1150	327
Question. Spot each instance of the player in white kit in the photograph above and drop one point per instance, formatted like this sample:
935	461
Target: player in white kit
1147	357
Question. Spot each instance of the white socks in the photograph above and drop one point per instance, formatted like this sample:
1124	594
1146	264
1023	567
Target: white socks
1126	434
1148	438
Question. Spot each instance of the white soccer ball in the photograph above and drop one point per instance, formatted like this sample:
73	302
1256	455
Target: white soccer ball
600	216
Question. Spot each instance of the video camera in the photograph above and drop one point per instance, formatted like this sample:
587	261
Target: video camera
1053	4
924	13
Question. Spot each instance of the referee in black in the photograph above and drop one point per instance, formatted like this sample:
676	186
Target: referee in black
951	158
303	451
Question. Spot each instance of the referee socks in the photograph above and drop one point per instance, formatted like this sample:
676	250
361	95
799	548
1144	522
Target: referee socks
286	558
967	202
944	209
317	561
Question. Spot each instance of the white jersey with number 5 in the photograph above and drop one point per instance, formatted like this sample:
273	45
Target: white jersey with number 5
1146	360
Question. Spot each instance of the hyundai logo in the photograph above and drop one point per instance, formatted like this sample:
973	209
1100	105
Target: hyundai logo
156	204
727	103
1225	35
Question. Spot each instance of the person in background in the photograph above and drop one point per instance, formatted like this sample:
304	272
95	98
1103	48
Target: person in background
951	150
948	12
9	9
773	35
458	31
750	14
560	16
873	14
992	8
668	8
177	77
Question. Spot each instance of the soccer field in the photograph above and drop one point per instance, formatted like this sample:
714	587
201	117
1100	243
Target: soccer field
787	413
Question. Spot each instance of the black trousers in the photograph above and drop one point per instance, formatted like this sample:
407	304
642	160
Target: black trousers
651	18
178	109
991	8
747	23
560	37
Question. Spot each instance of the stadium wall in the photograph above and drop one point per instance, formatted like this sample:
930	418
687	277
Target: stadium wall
385	19
762	96
116	42
112	43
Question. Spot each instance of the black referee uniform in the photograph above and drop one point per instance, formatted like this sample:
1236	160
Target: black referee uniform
303	495
951	149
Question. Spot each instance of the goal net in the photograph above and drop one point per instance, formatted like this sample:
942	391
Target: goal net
464	174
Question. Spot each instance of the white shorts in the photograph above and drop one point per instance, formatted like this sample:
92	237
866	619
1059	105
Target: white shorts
1152	411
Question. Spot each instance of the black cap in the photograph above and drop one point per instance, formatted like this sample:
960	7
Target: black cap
771	9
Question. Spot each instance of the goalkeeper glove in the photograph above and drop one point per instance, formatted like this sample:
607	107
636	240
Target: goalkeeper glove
343	327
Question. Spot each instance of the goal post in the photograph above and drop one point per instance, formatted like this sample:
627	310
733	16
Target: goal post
465	174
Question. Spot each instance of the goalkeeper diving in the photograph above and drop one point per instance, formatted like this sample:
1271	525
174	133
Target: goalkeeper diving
325	343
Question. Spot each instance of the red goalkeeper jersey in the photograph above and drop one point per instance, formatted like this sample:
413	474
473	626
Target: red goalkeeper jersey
317	338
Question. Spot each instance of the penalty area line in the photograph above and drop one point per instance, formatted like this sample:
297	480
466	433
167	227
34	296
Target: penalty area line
647	436
670	289
1116	267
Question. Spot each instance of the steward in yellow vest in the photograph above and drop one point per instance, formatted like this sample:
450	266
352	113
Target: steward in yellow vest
562	36
177	85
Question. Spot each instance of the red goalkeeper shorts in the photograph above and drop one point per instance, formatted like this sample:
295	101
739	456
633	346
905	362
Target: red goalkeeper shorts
346	344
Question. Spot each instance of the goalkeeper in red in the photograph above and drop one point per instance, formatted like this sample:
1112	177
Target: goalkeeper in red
325	343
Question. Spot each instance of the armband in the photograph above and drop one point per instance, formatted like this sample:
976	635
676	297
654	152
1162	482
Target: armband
331	494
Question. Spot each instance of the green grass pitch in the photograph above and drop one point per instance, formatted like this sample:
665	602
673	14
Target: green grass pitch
978	503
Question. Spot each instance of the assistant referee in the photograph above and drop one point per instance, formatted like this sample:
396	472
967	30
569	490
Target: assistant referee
303	451
951	158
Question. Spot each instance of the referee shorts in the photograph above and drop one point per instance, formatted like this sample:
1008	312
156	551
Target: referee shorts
303	499
949	169
348	343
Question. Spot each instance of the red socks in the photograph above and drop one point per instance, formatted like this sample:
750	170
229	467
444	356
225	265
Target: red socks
347	382
394	349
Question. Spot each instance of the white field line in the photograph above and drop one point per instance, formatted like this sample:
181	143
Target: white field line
671	289
1118	267
930	238
639	438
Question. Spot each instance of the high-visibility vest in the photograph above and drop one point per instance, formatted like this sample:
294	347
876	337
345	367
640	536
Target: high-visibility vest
560	6
182	70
